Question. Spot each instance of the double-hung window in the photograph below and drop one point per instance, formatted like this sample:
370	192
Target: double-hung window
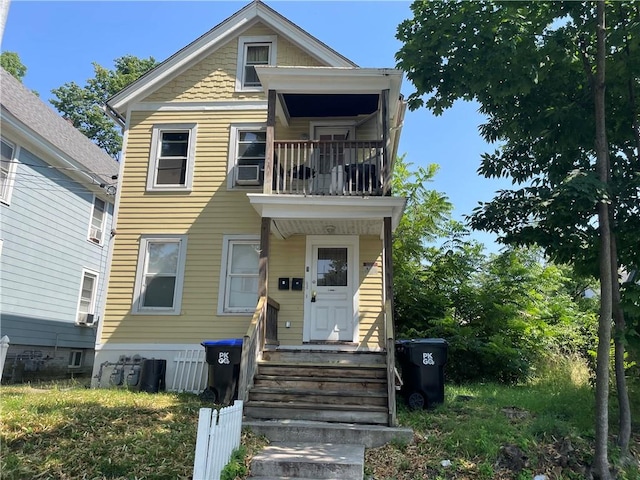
247	150
160	274
239	275
87	301
172	157
254	51
7	169
96	229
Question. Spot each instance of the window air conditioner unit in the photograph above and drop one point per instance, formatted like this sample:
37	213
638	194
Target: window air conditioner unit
248	175
86	318
95	235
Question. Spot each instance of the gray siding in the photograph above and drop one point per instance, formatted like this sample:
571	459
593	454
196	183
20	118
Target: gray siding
45	248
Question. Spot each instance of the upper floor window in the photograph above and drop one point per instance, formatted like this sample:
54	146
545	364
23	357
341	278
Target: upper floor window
98	215
253	51
160	274
7	170
172	157
88	294
247	150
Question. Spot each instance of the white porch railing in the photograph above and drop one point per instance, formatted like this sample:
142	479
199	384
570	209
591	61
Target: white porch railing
218	436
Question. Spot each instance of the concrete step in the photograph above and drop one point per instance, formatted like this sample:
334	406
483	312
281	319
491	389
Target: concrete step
300	431
309	461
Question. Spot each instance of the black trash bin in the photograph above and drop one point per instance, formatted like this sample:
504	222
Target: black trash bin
422	364
152	375
223	357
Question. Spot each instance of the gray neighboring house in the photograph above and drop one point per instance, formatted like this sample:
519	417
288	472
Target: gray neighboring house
56	210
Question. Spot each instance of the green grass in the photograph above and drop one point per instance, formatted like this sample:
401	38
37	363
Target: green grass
71	432
549	421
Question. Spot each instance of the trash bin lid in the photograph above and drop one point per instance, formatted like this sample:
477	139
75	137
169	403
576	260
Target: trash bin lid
422	341
233	342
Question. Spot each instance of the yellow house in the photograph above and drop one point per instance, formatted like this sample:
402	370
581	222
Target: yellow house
255	203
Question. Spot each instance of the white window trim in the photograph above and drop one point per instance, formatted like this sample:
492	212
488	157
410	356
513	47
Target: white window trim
72	354
102	226
94	297
233	153
11	174
153	157
141	268
242	42
227	240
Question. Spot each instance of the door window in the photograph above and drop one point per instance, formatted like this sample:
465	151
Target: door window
332	267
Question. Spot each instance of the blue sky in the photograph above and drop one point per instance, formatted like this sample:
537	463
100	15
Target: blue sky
58	41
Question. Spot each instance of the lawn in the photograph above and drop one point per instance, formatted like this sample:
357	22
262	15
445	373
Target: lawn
481	432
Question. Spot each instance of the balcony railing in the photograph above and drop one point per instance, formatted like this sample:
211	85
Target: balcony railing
319	167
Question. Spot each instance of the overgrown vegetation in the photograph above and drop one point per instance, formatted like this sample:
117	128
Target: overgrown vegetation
500	314
494	431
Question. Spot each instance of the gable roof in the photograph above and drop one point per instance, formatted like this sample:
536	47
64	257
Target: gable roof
251	14
23	109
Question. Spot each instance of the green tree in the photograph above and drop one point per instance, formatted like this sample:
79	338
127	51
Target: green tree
11	62
84	105
426	215
533	68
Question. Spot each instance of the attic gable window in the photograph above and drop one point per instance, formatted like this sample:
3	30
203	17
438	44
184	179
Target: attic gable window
253	51
172	157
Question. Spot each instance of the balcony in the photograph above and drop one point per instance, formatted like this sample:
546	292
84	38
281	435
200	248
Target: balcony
335	168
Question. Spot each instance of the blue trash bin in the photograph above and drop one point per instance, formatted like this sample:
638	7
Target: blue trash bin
223	358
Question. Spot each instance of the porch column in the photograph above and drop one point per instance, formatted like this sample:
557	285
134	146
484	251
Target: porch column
389	334
268	160
270	323
263	265
386	161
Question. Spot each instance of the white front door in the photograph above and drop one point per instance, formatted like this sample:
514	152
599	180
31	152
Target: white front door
331	300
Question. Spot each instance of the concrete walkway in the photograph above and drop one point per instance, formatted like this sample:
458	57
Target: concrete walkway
324	461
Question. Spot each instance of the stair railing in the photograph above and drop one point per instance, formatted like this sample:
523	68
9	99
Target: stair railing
391	362
262	329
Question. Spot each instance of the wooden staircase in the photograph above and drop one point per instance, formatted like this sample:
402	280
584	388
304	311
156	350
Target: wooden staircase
315	385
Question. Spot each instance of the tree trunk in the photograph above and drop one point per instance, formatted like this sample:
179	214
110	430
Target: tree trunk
601	461
624	434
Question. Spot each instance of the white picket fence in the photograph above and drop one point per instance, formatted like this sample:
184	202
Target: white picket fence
218	436
190	371
4	347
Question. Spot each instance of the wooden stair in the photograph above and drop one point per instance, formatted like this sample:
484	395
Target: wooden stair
327	386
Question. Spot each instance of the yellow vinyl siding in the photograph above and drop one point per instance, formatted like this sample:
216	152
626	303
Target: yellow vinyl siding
214	78
371	305
287	259
204	214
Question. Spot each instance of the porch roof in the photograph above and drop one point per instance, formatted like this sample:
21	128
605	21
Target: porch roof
359	88
309	215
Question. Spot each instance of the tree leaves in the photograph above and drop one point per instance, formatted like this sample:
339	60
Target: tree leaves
84	106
